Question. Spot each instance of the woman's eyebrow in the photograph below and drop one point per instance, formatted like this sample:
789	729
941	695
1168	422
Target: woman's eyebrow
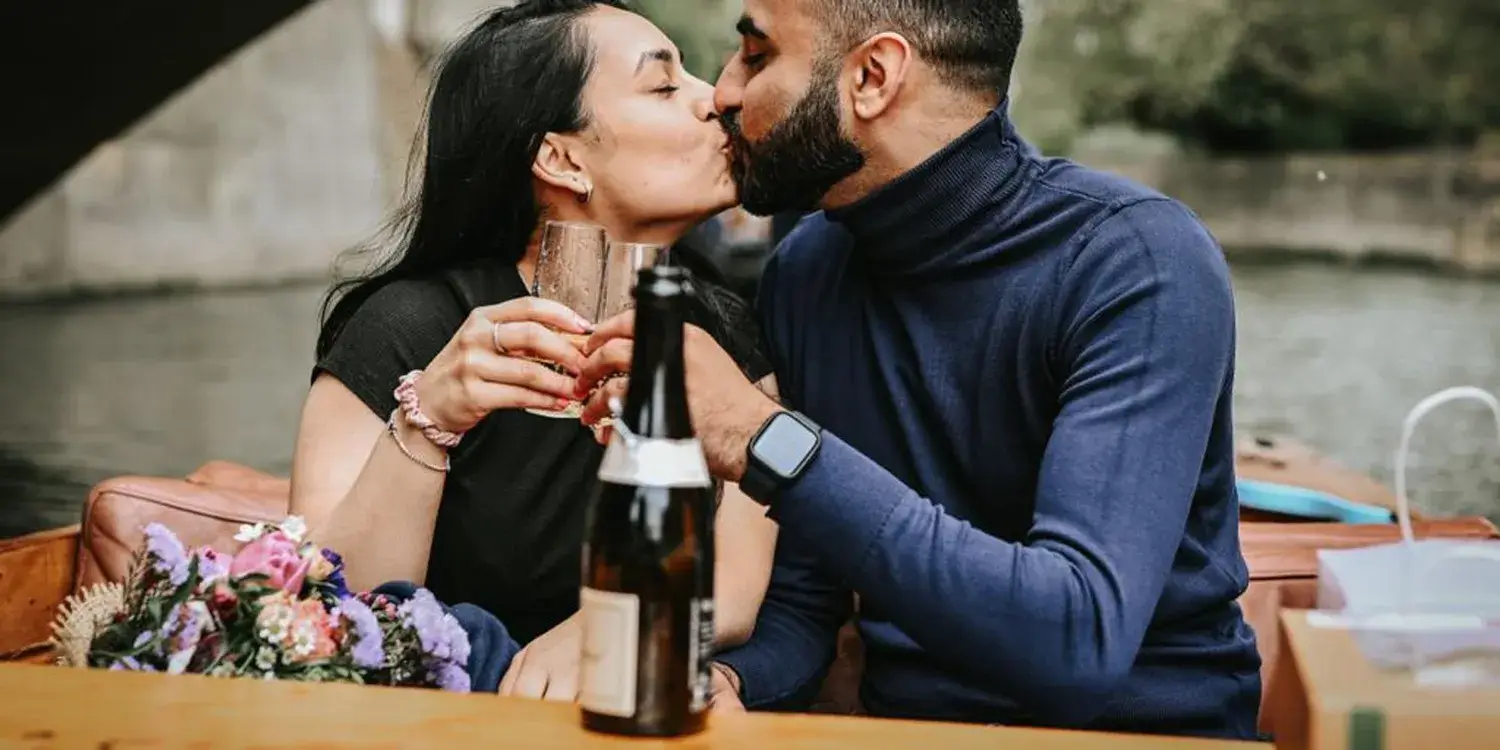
662	55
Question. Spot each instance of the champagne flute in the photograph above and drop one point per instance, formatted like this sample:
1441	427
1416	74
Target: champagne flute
570	271
622	264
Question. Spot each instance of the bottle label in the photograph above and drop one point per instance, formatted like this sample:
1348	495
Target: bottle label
611	622
700	651
654	462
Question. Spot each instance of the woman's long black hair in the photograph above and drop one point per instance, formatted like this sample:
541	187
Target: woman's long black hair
499	90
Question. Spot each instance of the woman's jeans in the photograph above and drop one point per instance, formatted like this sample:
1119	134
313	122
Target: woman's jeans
491	648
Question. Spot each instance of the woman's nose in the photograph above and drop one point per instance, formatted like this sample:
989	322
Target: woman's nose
703	101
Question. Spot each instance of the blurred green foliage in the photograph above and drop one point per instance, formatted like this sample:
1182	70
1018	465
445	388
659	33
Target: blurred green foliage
1274	75
1225	75
703	30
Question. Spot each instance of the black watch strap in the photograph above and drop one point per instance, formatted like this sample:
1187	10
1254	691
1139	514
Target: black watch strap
793	440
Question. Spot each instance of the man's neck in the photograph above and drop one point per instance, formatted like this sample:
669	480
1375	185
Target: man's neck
904	144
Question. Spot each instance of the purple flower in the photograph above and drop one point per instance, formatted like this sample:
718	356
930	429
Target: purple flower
368	651
336	578
450	677
168	556
439	632
190	620
211	565
129	664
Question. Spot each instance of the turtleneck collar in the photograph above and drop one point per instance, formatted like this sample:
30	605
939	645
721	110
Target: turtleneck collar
925	220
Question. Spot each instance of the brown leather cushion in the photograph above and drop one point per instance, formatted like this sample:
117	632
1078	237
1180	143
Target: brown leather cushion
207	508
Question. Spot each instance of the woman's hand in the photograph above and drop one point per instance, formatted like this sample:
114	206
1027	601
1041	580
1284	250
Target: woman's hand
486	365
547	668
724	689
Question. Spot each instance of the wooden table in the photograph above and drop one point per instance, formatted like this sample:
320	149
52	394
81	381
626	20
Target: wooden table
44	706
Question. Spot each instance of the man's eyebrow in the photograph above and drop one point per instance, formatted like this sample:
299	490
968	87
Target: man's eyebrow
746	26
655	55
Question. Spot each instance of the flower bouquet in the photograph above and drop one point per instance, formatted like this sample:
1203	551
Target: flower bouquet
278	609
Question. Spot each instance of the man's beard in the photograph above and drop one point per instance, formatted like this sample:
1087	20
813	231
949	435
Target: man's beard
801	158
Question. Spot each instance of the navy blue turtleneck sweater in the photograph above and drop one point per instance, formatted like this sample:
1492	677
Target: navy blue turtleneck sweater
1024	371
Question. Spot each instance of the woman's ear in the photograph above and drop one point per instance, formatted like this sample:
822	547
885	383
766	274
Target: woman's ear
557	165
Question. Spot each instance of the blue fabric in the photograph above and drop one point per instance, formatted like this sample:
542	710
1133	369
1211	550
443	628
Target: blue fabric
1025	371
491	648
1306	503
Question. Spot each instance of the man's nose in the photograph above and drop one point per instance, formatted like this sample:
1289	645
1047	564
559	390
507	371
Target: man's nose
729	92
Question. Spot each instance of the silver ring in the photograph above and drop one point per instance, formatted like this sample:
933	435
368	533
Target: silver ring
495	339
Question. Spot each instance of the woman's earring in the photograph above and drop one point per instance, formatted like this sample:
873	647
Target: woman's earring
587	195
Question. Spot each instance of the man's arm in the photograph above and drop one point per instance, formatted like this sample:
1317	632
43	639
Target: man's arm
783	664
1146	343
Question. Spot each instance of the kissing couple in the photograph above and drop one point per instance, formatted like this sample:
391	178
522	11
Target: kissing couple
982	392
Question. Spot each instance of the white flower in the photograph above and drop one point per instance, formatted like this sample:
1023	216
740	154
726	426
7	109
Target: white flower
265	658
294	527
249	533
178	662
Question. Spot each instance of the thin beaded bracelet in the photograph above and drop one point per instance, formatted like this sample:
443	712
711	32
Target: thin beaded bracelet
390	427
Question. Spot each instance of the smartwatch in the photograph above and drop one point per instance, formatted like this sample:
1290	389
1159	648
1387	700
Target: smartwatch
780	451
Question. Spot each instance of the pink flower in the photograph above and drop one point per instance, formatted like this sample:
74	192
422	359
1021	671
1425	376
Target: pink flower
311	634
223	599
276	556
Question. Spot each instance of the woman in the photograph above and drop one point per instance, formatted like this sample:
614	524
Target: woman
552	109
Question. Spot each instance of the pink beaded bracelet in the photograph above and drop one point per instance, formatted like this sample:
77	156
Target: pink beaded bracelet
406	394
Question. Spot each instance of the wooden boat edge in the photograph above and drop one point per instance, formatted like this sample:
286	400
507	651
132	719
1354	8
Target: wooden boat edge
36	576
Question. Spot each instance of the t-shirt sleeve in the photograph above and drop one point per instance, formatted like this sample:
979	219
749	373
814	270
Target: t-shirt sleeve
727	317
400	328
743	344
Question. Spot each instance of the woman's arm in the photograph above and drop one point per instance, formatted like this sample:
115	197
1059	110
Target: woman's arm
375	503
745	541
359	493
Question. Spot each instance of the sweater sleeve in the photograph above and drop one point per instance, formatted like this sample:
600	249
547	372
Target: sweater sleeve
796	631
783	664
1143	346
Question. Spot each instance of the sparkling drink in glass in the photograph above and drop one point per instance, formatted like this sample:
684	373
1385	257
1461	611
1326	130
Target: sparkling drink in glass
622	262
570	271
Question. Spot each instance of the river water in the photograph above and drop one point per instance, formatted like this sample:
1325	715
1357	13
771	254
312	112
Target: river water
1333	356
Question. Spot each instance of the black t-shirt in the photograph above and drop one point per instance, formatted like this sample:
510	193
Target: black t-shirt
510	526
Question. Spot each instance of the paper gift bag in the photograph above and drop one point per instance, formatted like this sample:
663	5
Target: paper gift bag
1418	602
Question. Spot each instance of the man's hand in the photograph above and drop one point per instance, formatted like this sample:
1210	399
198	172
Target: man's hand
724	691
547	668
727	409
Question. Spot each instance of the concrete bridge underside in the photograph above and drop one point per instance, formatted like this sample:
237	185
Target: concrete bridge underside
79	73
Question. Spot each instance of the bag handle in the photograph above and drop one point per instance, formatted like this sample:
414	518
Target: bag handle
1422	409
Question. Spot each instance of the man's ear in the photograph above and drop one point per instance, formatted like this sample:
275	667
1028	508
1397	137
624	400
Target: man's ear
880	67
557	165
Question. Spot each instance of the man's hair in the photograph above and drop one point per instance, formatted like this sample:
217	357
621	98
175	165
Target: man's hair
971	43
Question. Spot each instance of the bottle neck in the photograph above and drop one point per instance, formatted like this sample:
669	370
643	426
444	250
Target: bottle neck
656	404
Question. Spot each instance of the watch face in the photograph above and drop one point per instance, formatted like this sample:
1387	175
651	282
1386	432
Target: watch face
784	444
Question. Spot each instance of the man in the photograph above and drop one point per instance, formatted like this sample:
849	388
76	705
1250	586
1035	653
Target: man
1014	383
